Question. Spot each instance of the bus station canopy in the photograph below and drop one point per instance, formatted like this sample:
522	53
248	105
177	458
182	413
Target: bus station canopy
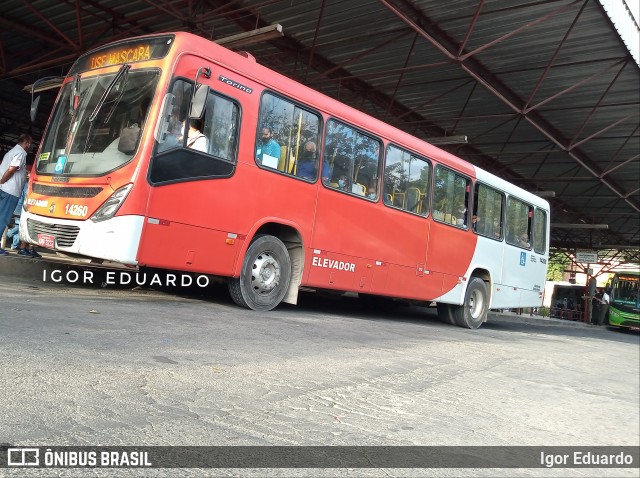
543	94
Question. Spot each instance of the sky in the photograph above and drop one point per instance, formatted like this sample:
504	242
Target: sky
624	24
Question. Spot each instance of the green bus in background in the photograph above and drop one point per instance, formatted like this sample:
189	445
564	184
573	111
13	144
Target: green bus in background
624	307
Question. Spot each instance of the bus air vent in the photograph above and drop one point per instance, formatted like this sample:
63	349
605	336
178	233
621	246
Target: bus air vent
66	191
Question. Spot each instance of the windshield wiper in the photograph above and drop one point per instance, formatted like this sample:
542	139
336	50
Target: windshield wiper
121	75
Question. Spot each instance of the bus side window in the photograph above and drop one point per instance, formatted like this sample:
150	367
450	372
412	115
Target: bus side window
287	138
351	161
519	222
221	120
451	198
489	205
208	150
406	181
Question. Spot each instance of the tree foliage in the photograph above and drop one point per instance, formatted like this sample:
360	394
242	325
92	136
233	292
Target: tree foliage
558	263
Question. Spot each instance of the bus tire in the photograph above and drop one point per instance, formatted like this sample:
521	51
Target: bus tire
445	313
474	310
265	275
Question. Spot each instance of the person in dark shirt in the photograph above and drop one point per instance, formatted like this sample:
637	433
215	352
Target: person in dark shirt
308	162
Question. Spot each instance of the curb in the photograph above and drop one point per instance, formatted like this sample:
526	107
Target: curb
496	317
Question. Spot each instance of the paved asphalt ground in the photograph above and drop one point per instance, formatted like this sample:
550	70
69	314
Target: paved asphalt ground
98	366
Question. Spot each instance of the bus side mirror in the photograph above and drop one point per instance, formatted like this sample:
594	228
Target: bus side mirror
198	101
200	93
34	108
49	83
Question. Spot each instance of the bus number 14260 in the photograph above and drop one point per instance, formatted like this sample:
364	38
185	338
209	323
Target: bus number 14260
76	210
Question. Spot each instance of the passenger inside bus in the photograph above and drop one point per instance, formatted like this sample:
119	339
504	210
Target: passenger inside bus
307	162
196	139
343	184
497	229
268	149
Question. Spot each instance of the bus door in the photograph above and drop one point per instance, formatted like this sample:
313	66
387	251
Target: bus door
189	213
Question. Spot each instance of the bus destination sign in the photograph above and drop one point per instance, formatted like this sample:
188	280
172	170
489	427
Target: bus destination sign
121	55
131	51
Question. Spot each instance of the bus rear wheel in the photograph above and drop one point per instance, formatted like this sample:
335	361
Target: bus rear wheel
473	312
265	275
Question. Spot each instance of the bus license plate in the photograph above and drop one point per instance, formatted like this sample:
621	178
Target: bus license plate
47	240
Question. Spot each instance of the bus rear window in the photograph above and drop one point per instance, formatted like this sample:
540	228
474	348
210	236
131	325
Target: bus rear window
540	231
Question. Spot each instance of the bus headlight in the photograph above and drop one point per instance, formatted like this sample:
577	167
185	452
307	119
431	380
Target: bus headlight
111	205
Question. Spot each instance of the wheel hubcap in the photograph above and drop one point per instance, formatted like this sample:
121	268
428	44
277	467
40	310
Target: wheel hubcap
475	304
265	273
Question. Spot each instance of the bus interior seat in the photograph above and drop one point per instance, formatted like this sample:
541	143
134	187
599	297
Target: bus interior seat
413	199
398	199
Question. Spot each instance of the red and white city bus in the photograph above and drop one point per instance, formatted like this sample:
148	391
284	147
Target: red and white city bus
170	151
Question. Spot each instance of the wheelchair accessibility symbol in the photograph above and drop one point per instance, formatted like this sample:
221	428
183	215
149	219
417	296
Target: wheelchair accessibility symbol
523	258
59	169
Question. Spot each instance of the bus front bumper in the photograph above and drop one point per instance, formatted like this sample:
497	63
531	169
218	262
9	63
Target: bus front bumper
115	239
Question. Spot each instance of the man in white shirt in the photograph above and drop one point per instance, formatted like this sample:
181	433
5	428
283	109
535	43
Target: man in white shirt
13	174
604	307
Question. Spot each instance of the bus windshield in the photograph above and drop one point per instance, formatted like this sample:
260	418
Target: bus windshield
98	130
626	290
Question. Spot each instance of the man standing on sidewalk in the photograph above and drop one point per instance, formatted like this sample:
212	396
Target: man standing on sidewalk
13	173
604	307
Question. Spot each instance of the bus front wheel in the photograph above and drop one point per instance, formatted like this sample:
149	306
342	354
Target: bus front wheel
473	312
265	275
